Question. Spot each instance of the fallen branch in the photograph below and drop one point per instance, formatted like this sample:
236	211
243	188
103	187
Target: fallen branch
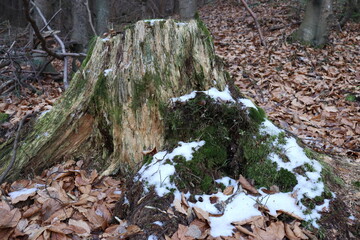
16	141
255	20
63	54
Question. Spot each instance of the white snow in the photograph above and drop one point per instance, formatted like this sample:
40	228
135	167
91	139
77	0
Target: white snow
152	21
247	102
243	206
152	237
351	217
181	24
105	39
158	172
158	223
212	92
107	71
23	191
117	192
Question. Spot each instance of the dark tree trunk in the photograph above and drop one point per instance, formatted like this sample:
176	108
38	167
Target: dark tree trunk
80	32
187	9
101	9
314	29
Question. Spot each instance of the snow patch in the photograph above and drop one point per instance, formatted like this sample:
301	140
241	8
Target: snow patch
161	168
214	93
107	71
23	191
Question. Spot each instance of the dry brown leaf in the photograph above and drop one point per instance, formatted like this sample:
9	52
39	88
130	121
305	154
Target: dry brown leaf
298	232
201	214
23	196
80	227
246	185
289	233
228	190
290	214
178	206
244	230
193	231
9	219
274	231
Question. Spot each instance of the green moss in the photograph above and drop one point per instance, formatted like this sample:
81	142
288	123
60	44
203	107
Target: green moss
146	89
356	184
257	114
90	48
207	34
311	154
350	98
281	138
206	183
308	168
328	175
3	117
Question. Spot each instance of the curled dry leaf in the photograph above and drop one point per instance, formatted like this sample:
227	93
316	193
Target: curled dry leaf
290	214
178	206
228	190
201	214
244	230
9	219
298	232
246	185
289	233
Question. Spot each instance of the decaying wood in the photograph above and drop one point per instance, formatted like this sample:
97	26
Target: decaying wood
112	109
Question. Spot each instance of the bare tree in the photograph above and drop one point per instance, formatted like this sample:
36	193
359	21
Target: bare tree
314	29
187	9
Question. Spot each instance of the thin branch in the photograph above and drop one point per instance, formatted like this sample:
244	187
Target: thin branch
255	20
90	18
51	19
37	31
63	54
16	141
60	42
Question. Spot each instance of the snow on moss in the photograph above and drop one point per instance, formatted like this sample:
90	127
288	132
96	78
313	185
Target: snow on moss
158	174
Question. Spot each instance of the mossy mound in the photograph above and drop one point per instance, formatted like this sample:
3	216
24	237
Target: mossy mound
233	145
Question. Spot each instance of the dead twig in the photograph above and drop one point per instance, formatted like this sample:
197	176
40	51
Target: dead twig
59	41
63	54
37	31
15	146
255	20
90	18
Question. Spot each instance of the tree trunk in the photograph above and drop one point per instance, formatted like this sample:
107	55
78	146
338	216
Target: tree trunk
315	26
47	9
101	9
112	109
80	23
187	9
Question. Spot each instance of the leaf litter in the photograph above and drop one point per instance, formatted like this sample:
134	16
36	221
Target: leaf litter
302	89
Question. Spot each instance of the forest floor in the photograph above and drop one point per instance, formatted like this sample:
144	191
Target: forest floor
312	93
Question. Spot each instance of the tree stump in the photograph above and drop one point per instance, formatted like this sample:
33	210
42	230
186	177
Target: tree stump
112	111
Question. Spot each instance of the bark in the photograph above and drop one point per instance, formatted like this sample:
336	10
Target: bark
101	8
47	9
314	29
112	110
80	23
187	9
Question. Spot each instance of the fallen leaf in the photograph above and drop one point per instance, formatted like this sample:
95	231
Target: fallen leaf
246	185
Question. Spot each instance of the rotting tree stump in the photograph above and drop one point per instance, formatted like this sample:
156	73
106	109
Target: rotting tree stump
112	111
